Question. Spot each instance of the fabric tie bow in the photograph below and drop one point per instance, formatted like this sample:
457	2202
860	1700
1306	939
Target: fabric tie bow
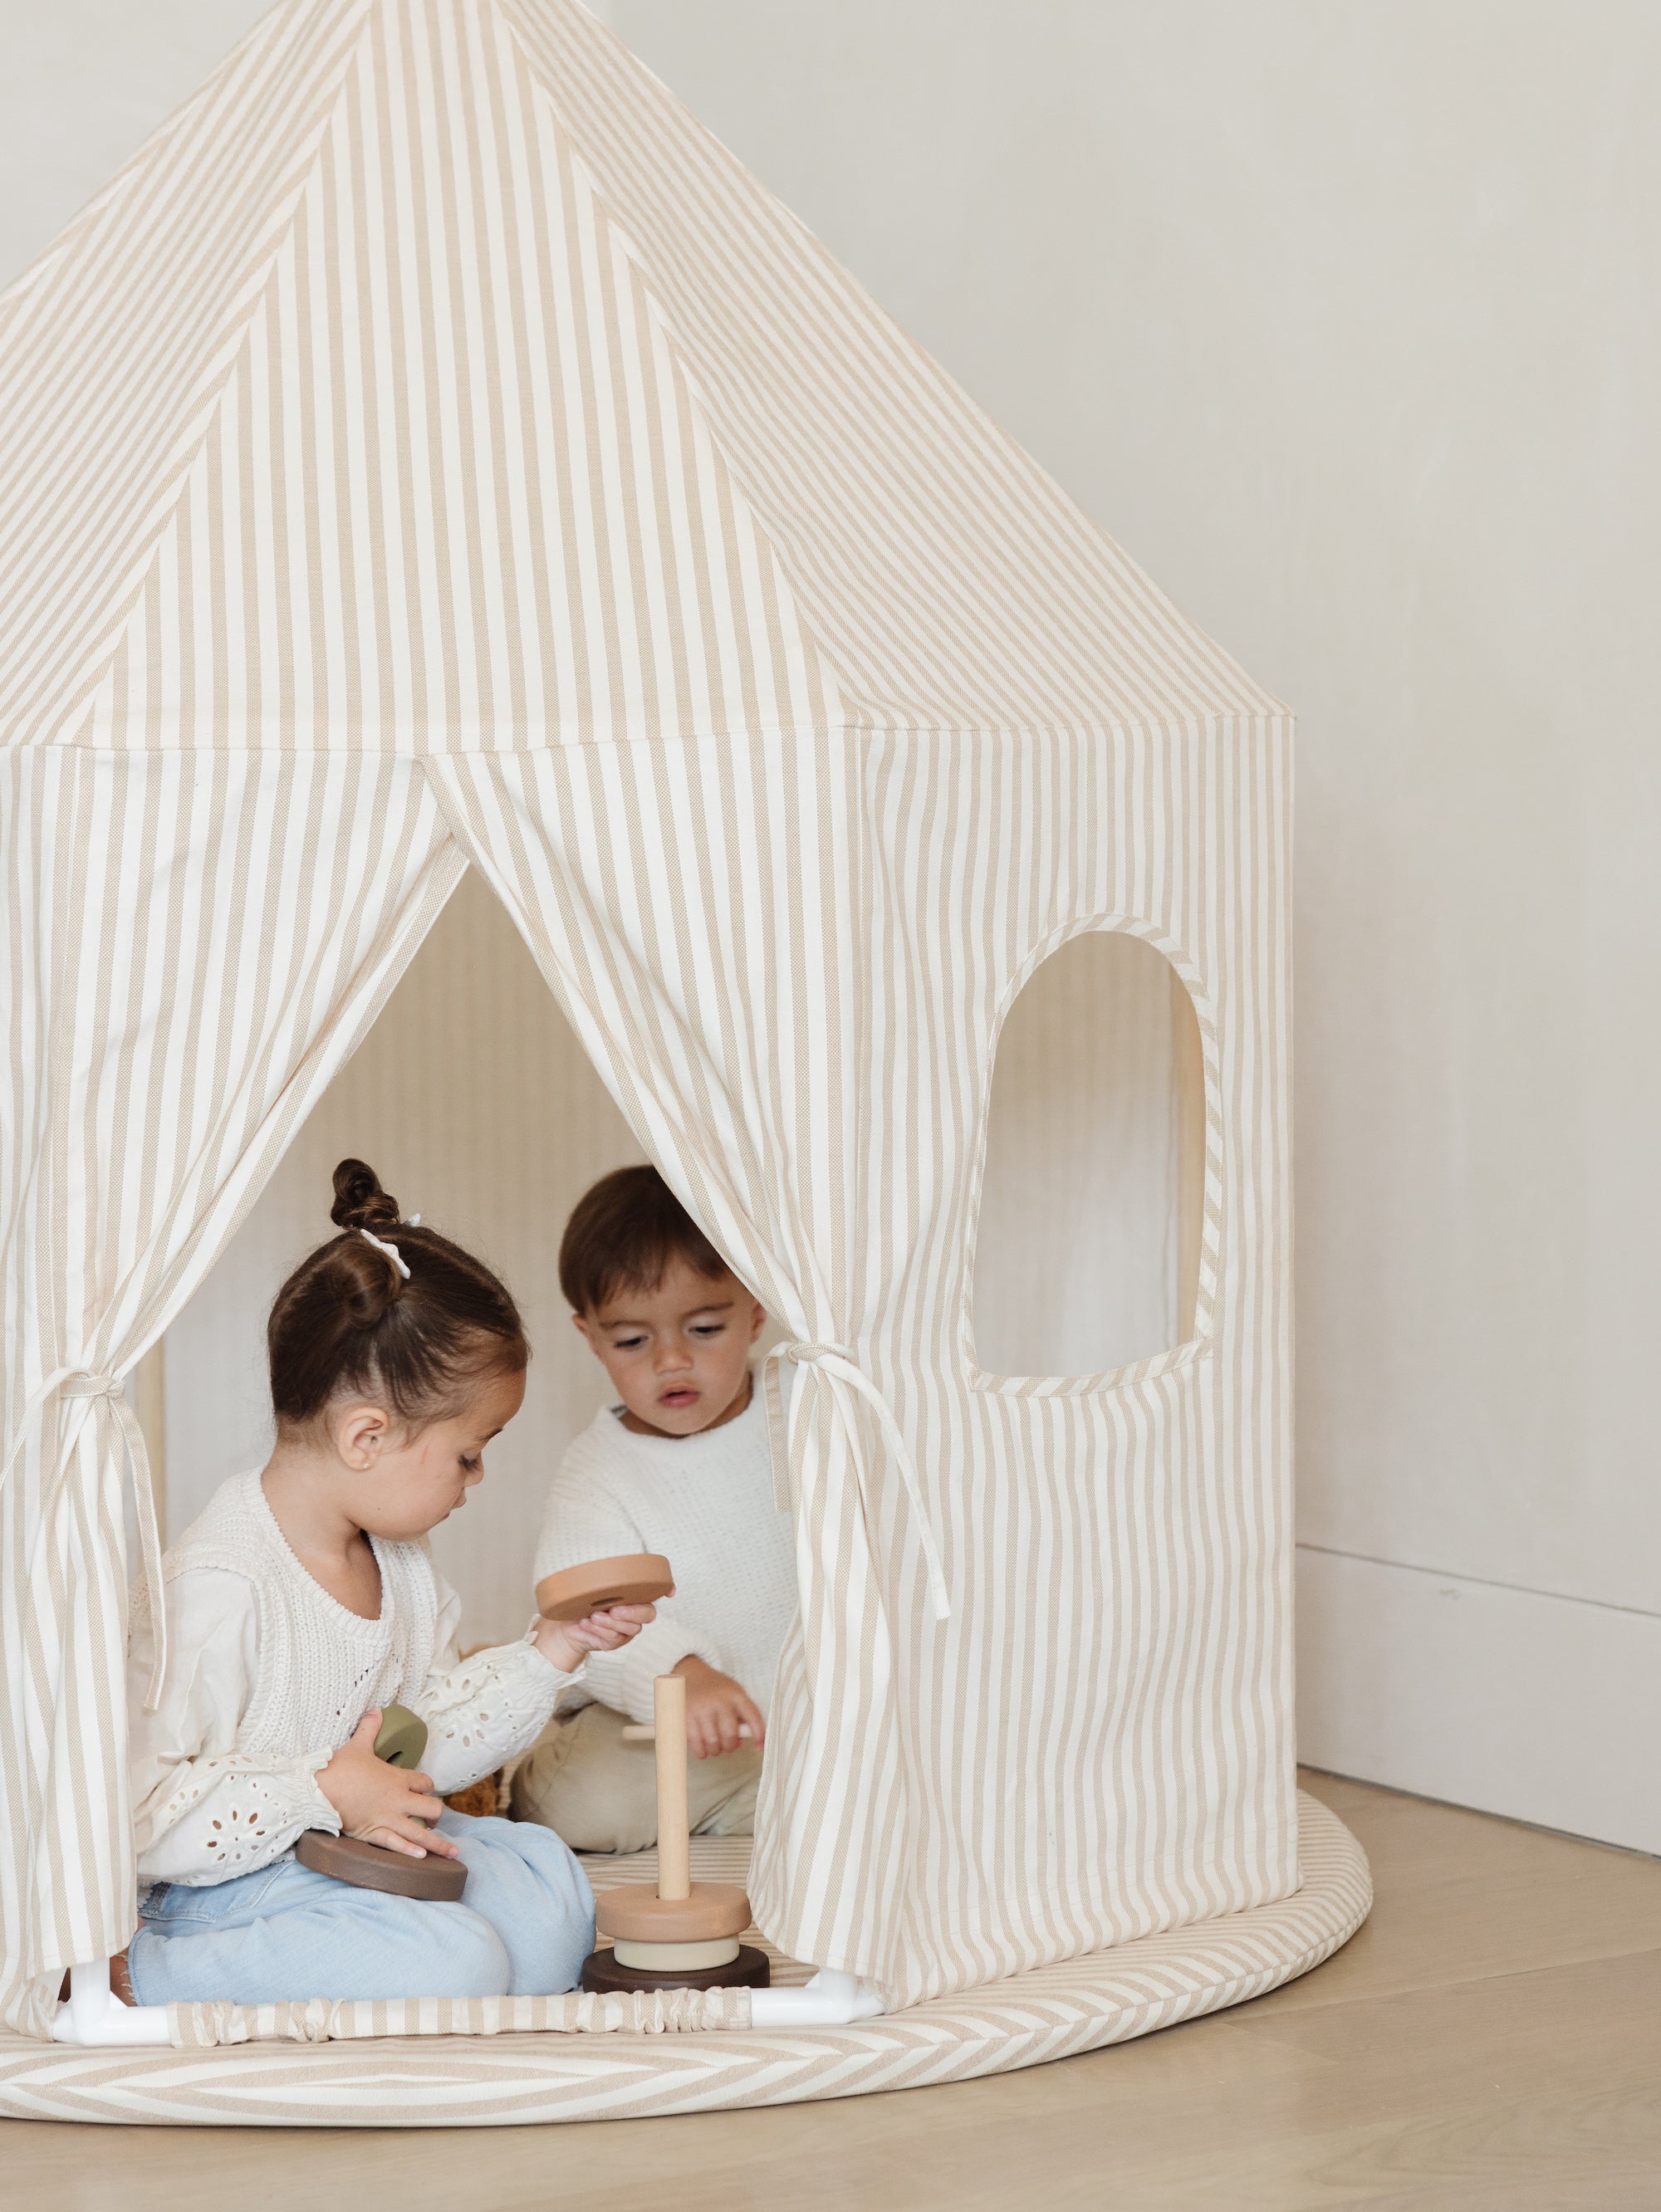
81	1382
836	1366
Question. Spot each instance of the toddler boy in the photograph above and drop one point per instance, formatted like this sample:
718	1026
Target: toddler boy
678	1464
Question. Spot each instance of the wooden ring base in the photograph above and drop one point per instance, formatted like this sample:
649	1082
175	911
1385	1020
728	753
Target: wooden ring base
748	1971
631	1578
370	1866
639	1915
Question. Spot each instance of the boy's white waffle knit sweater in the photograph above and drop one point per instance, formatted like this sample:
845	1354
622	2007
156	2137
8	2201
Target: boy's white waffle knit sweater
706	1501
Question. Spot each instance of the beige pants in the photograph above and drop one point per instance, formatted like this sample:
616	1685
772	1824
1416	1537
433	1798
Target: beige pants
582	1781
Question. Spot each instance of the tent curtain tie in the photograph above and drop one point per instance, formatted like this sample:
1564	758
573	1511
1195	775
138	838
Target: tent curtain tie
81	1382
837	1365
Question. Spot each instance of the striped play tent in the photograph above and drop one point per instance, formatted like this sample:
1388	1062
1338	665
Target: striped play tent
432	452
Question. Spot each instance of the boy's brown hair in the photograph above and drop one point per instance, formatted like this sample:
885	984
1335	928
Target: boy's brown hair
625	1233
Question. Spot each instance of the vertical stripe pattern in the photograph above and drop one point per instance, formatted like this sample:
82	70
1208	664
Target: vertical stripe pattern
789	963
435	448
445	482
189	947
435	380
952	582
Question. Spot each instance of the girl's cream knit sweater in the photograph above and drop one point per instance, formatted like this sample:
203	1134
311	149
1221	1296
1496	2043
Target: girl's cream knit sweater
268	1676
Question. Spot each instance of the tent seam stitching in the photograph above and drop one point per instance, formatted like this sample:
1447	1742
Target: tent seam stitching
678	350
1190	725
85	705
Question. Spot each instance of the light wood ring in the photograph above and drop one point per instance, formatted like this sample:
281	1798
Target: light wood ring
639	1915
631	1578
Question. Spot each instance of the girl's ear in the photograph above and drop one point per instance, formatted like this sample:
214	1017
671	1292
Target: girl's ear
361	1435
757	1319
583	1329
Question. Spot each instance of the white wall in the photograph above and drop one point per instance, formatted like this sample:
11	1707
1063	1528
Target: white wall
1340	316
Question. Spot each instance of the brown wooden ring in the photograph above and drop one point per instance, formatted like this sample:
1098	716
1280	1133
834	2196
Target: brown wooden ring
370	1866
603	1969
631	1578
637	1914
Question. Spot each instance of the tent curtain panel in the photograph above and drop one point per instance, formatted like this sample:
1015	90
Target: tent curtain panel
193	943
666	892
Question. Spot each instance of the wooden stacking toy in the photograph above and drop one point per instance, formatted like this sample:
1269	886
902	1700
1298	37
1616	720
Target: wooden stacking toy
644	1732
632	1579
402	1741
684	1933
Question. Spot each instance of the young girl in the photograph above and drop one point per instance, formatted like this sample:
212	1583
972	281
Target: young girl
301	1602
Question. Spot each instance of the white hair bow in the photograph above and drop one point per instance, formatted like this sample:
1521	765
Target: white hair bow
391	1250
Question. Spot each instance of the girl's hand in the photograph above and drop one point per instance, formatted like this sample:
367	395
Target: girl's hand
567	1643
382	1804
716	1708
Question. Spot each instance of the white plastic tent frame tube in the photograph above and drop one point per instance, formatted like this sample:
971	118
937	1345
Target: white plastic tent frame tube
95	2016
832	1999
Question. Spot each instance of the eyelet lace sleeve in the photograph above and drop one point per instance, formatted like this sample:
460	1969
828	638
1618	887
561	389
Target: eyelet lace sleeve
225	1818
482	1710
203	1811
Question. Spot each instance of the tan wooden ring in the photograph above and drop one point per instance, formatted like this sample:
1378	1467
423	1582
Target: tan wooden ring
632	1579
639	1915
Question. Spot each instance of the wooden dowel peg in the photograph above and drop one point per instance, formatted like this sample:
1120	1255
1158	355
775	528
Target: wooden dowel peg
687	1935
644	1732
674	1839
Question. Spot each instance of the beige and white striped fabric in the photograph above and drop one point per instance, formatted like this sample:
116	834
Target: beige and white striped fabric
191	945
481	2069
433	450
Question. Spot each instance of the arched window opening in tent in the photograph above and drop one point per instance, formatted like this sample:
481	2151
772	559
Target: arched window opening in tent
1087	1247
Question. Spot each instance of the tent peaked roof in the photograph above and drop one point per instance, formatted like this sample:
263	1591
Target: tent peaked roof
434	380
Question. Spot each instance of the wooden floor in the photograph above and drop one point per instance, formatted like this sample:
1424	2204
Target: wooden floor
1491	2041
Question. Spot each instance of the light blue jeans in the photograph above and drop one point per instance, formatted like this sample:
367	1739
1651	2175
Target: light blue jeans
524	1929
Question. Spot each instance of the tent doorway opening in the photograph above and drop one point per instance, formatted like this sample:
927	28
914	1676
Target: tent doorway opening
476	1103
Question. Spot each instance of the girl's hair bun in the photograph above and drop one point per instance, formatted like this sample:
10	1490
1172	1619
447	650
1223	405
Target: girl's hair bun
359	1200
348	1320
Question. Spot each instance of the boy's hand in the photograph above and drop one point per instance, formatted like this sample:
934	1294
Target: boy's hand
382	1804
716	1708
567	1643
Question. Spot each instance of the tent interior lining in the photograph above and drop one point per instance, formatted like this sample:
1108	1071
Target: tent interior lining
1105	1093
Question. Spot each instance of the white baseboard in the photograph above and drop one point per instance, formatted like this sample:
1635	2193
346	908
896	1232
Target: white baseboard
1542	1708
